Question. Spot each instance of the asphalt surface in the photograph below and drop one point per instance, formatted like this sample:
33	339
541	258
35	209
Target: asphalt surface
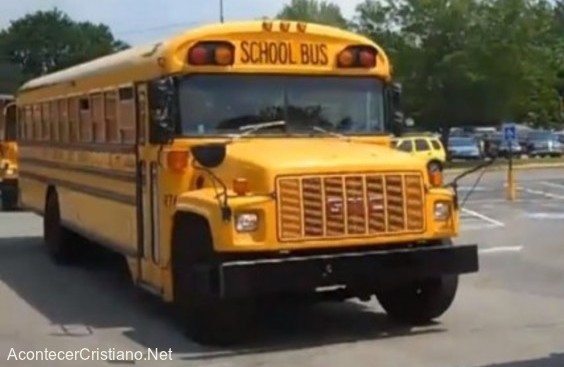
510	314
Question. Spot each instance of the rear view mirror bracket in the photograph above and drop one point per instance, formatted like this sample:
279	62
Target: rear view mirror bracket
396	119
163	110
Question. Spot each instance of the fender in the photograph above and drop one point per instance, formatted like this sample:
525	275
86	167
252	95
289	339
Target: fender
205	202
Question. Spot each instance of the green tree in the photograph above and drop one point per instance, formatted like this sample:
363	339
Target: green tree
321	12
470	61
47	41
431	45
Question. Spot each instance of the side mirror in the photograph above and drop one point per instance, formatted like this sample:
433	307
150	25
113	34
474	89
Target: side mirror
162	110
209	155
396	117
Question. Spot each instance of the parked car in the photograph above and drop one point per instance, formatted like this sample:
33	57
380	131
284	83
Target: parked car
543	143
464	148
499	147
426	147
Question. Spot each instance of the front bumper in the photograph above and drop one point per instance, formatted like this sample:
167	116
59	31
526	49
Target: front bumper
355	270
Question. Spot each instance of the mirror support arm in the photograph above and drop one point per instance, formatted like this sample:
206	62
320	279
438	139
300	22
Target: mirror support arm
163	110
396	116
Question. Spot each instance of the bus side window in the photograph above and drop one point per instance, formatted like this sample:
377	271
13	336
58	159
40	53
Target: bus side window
74	120
141	114
37	124
63	119
28	123
85	120
98	123
110	116
54	121
126	115
45	121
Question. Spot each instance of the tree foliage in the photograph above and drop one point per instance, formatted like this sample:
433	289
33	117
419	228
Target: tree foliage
48	41
314	11
466	61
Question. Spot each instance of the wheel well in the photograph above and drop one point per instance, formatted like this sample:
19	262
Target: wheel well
196	229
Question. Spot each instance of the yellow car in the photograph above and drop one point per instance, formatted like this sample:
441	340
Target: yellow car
426	147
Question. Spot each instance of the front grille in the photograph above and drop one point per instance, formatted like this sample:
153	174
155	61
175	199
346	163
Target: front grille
355	205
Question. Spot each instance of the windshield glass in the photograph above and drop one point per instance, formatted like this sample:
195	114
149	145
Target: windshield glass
461	142
221	104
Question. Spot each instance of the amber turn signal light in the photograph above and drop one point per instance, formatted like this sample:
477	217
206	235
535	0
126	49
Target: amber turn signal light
241	186
177	160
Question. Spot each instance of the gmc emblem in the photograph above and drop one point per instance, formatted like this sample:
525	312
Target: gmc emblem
355	205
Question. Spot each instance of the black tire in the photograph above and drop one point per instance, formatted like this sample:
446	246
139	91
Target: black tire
62	244
206	318
421	301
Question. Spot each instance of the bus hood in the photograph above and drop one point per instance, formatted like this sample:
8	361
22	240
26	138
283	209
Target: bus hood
261	160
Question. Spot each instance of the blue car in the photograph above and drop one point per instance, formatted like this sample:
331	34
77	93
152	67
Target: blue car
543	143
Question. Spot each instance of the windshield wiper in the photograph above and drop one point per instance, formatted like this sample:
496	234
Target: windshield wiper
319	129
252	128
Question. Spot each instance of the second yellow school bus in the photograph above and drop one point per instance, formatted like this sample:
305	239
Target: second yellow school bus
8	153
242	162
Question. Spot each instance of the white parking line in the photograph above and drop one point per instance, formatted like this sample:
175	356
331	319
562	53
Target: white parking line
540	192
552	184
483	217
545	215
494	250
474	189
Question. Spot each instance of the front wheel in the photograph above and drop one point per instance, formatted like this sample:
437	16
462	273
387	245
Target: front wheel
205	317
420	301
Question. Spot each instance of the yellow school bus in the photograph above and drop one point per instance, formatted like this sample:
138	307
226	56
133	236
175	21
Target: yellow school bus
8	153
239	163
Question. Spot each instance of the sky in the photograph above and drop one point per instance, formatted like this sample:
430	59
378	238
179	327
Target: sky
142	21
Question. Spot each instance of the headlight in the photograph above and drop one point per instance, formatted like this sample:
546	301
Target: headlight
246	222
441	210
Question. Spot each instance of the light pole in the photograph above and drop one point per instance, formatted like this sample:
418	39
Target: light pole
221	11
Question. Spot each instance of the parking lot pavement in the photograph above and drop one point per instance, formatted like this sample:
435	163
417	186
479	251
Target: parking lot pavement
507	315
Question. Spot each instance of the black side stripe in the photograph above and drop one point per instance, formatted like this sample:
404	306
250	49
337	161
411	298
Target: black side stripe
89	190
103	172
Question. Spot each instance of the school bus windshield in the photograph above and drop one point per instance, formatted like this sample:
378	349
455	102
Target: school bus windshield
222	104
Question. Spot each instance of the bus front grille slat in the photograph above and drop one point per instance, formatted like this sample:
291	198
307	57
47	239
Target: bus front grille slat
352	205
